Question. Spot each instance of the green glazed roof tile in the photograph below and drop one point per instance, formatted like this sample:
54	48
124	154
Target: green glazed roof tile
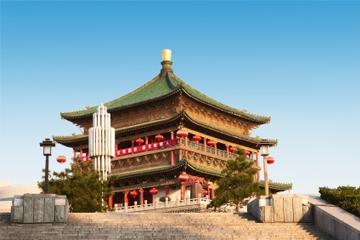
162	85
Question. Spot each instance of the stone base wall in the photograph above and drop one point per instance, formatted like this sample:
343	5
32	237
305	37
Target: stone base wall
280	208
39	208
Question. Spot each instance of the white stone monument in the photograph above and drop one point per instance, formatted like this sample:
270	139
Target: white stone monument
102	142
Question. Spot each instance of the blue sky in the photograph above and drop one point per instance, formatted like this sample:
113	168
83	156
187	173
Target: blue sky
298	62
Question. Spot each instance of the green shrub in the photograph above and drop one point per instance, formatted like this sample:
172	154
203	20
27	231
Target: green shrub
346	197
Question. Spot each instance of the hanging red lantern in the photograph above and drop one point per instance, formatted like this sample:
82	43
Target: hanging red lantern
232	149
61	159
211	143
139	141
159	137
270	160
205	192
196	138
182	133
134	193
153	191
246	152
183	177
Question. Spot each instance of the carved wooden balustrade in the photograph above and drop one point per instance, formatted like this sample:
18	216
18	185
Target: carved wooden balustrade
169	152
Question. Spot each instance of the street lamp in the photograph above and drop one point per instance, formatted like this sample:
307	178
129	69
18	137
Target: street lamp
264	151
47	144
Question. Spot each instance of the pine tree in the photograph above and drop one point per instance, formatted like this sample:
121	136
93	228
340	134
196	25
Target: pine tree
81	185
237	184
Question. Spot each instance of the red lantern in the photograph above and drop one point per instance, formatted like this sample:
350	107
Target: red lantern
183	177
232	149
270	160
246	152
211	143
159	137
134	193
196	138
61	159
139	141
205	192
153	191
182	133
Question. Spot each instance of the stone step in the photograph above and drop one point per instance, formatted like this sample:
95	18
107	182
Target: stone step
160	226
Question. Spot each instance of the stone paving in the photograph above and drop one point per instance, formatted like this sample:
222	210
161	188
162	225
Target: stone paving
163	226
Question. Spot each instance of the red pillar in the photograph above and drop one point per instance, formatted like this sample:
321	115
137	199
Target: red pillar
110	201
126	200
182	191
141	196
81	154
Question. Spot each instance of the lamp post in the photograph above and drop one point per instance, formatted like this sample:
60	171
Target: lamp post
47	144
264	151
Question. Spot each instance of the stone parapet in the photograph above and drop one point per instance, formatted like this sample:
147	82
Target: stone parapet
280	208
335	221
39	208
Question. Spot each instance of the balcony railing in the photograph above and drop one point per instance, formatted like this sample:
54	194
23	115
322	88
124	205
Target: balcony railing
146	147
163	145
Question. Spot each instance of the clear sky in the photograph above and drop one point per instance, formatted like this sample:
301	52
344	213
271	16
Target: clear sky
298	62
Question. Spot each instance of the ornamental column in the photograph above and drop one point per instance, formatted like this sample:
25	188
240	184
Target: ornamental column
102	142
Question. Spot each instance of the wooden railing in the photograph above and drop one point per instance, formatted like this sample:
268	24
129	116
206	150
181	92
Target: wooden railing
200	147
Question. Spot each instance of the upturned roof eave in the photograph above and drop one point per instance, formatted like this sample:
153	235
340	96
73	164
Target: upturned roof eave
176	85
69	116
68	140
239	113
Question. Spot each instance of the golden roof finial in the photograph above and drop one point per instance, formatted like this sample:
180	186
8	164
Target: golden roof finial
166	55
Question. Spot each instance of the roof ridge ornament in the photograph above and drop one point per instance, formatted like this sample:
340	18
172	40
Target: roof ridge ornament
166	61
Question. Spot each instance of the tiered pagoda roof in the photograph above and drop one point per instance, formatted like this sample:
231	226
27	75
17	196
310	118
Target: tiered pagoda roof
161	86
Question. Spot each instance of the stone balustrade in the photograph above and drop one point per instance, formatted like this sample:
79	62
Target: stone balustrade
187	205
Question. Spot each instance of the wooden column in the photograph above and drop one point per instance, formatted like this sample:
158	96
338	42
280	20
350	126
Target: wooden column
110	201
172	154
258	165
141	190
126	200
81	154
182	191
172	135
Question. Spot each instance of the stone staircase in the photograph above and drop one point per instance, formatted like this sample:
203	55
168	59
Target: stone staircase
161	226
